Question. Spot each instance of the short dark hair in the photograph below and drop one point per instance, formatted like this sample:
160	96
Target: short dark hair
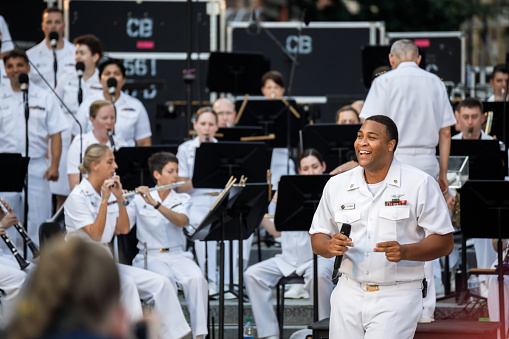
275	76
16	53
108	62
470	103
158	160
93	43
311	152
52	10
390	126
501	68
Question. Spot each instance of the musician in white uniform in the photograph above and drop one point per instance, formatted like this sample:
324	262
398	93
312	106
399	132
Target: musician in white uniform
102	116
6	46
89	216
41	55
296	258
88	51
398	220
160	217
132	124
492	284
45	121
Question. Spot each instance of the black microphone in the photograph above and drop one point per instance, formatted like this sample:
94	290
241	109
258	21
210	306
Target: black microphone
53	39
80	68
345	229
253	28
112	142
112	86
23	81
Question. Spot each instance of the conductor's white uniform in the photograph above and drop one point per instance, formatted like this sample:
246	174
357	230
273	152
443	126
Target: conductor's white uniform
45	119
132	122
81	209
166	252
67	89
394	309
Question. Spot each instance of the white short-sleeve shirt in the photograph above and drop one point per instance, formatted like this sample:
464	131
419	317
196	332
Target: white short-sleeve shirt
68	84
347	199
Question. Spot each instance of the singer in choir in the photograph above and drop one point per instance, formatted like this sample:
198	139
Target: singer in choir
399	220
44	122
132	123
12	278
53	51
102	117
72	87
499	82
296	258
90	216
160	217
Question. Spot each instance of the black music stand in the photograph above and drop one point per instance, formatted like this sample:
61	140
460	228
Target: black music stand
236	72
215	163
484	212
237	132
14	167
500	125
133	164
274	117
485	159
334	142
298	198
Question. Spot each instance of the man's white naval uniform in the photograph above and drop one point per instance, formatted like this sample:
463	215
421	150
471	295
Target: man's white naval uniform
81	209
416	100
132	119
45	119
392	311
73	156
67	90
296	258
166	252
12	280
41	56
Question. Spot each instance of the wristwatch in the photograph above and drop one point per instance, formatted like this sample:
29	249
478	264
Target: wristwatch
124	203
157	206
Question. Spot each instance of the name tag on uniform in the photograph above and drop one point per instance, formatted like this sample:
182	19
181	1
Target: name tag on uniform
349	206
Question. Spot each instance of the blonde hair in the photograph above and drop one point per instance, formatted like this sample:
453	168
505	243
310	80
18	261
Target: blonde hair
97	105
75	286
94	153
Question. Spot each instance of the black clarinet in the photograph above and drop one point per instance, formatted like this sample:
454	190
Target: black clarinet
33	247
22	262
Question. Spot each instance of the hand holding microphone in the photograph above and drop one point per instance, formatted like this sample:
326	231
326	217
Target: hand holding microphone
338	245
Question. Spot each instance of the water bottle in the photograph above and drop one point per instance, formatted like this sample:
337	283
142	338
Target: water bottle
248	329
473	285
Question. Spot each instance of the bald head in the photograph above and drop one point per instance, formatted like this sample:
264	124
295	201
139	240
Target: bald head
404	50
225	110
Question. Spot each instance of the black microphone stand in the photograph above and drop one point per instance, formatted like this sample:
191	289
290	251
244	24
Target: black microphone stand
25	212
80	90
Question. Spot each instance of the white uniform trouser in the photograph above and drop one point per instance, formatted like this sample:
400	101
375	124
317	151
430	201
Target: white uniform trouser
61	186
425	160
182	271
493	302
384	314
39	201
12	280
262	277
162	293
485	255
246	252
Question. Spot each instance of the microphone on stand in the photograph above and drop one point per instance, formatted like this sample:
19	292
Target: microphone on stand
53	39
80	68
253	28
112	86
23	82
345	229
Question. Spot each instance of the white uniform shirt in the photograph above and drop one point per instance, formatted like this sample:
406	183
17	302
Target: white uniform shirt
81	209
484	136
415	99
154	228
3	74
42	57
67	89
73	156
45	119
491	98
296	252
132	118
7	44
346	199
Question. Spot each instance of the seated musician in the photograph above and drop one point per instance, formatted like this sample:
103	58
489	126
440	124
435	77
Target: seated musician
160	216
296	258
225	110
347	115
90	215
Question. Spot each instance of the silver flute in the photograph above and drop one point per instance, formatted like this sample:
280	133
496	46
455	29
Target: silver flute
19	227
157	188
